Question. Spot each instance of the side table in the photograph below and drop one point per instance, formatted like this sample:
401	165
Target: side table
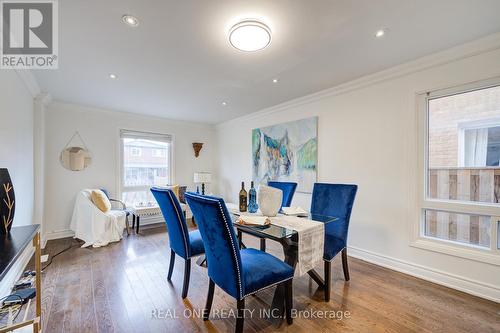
142	211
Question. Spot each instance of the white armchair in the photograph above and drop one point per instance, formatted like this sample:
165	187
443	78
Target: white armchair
93	226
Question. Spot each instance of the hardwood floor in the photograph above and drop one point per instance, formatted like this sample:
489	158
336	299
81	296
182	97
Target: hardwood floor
117	289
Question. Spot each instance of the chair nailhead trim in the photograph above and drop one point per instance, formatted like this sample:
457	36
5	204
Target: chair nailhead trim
253	292
234	250
232	244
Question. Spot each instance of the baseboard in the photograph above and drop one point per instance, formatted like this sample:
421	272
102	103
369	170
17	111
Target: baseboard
15	272
58	234
469	286
43	241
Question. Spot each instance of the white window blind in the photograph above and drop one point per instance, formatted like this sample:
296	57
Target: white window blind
167	138
146	161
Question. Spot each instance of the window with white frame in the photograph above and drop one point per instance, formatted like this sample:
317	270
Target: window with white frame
460	177
135	151
158	152
151	166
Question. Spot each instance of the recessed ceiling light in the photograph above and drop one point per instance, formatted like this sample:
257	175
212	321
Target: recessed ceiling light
130	20
250	35
112	76
380	33
224	103
275	80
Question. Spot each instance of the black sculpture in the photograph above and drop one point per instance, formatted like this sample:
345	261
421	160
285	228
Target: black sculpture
7	202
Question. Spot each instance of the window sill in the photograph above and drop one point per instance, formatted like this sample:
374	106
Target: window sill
488	256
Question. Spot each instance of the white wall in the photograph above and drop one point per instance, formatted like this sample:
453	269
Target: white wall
367	135
100	131
16	141
16	154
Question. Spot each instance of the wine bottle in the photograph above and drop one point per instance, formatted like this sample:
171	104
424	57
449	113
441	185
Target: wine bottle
243	198
252	199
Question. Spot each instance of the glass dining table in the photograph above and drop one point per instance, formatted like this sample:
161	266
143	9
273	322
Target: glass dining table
288	238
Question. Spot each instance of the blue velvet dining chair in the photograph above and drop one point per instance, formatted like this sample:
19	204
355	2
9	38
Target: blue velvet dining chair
334	200
186	244
238	272
288	189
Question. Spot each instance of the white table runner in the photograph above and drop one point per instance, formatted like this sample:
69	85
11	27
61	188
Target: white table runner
311	235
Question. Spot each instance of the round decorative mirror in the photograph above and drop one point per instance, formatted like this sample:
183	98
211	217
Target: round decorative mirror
75	158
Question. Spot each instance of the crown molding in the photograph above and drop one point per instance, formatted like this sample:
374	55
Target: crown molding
43	99
29	81
115	112
470	49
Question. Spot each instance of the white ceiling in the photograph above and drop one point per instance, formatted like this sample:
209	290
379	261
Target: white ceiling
178	64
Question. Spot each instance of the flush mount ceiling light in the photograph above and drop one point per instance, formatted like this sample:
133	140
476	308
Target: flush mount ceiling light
130	20
275	80
224	103
112	76
250	36
380	33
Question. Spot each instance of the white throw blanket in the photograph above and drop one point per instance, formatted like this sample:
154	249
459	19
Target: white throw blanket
311	241
93	226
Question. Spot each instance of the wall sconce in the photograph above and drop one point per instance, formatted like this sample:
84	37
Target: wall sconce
197	147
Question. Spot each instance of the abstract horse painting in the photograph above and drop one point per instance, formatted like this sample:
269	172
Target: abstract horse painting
286	152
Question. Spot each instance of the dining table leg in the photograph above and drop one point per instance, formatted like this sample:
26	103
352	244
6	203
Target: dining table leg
317	278
263	244
290	250
240	239
201	261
